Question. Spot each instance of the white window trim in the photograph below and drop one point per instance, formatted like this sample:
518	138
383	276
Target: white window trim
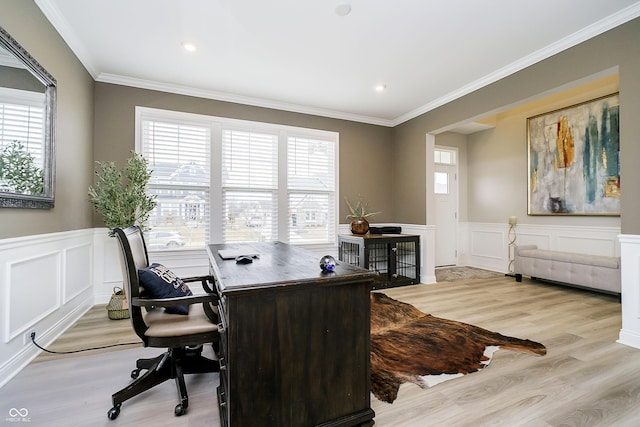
216	125
22	97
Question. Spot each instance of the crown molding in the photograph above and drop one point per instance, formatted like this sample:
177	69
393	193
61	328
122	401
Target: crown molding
52	13
238	99
606	24
77	46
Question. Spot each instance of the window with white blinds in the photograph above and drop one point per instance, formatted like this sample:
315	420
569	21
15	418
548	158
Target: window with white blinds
224	180
22	121
178	155
249	186
311	182
22	137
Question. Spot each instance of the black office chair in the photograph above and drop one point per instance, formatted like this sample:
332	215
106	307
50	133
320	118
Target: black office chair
182	335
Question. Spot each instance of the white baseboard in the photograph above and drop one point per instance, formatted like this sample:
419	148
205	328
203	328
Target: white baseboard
629	338
29	352
630	298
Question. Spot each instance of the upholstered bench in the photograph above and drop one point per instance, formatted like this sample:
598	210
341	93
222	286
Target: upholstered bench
600	273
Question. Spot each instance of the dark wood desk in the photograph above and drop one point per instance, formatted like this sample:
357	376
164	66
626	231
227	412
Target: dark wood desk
294	341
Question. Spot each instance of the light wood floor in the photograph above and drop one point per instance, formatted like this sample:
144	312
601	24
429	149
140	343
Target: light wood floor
586	378
94	330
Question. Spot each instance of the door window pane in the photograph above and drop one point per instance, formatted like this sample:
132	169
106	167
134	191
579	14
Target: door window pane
441	180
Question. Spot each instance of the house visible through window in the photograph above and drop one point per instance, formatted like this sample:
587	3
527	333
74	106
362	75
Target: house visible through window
223	180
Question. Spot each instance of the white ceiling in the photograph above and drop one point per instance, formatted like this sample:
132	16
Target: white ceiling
299	55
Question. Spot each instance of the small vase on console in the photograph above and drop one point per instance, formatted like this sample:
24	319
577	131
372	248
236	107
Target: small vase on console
358	216
359	226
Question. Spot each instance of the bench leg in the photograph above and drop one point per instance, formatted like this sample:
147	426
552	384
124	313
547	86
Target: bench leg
518	277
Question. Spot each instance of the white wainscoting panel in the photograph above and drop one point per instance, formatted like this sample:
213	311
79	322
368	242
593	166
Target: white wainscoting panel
533	237
46	286
34	287
427	235
486	245
78	262
107	273
630	271
585	240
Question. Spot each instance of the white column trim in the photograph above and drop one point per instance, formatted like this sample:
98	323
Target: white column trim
630	275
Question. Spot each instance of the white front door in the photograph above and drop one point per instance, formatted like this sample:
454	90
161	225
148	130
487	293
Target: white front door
446	197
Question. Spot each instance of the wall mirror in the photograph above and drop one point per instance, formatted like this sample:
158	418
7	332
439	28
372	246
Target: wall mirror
27	128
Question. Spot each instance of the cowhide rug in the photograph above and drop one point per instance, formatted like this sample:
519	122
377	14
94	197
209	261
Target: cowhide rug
408	345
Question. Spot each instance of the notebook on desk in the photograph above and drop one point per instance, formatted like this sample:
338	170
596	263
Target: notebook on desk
234	253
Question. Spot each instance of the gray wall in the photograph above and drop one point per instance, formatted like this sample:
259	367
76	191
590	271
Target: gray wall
365	150
619	47
385	166
74	152
498	160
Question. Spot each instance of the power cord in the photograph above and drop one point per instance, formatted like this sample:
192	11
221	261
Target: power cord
33	340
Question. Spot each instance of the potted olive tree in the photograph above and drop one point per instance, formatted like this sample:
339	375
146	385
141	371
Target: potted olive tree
120	196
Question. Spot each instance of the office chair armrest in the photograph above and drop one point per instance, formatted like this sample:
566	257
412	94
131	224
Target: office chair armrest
205	282
172	302
209	303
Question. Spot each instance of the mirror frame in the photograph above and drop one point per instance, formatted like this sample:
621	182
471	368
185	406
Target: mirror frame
46	200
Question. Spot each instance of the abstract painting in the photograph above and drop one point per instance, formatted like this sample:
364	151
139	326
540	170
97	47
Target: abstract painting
574	164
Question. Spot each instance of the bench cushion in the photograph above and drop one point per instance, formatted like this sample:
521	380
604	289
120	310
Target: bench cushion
591	271
574	258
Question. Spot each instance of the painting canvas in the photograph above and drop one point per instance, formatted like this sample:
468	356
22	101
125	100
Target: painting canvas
574	165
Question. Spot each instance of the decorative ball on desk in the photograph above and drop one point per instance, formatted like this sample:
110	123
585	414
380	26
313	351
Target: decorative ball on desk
327	263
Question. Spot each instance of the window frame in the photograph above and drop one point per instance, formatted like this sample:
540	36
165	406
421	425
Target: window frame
217	125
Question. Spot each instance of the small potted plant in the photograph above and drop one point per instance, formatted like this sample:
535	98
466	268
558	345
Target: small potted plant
358	217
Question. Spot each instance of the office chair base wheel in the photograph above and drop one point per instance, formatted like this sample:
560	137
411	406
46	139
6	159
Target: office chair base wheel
114	412
180	410
135	373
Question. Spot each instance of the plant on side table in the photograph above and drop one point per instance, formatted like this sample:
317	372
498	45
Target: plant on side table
358	217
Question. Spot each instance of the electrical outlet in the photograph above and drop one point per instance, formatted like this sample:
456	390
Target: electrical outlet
26	338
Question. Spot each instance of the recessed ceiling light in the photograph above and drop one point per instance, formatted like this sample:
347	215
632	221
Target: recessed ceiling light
380	88
189	46
343	9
